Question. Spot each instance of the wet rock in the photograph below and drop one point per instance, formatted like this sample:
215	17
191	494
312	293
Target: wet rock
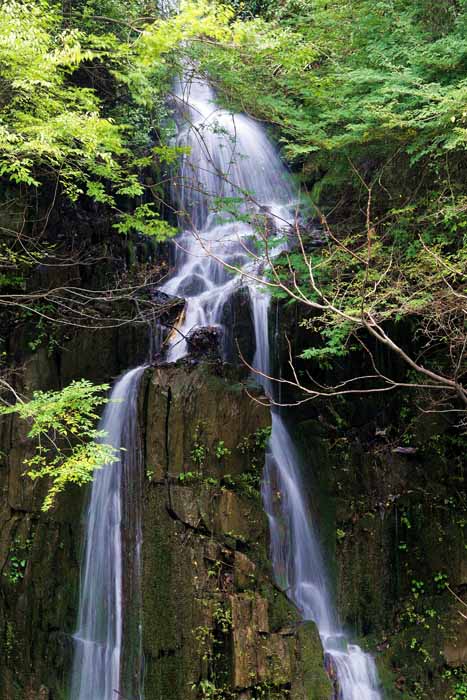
235	518
455	649
191	505
168	307
204	343
195	404
311	681
314	236
239	336
192	286
244	572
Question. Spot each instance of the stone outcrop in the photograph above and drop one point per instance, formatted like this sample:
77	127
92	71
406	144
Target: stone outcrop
214	624
394	524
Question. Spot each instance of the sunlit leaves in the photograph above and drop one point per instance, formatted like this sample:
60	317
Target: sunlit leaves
146	221
170	154
52	128
45	121
336	76
63	427
196	20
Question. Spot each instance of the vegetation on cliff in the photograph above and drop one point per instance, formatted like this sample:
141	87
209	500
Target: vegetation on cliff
81	122
68	446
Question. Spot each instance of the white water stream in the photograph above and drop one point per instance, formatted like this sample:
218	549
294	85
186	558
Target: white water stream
231	164
231	156
98	641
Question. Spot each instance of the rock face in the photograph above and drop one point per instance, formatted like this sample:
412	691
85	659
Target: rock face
237	318
213	623
204	343
389	492
394	524
40	553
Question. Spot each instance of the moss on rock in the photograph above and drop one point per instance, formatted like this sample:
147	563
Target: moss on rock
214	624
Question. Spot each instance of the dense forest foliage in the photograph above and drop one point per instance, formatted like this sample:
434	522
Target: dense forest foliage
368	101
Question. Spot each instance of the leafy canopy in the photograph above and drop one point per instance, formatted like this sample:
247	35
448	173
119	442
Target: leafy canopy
368	100
55	127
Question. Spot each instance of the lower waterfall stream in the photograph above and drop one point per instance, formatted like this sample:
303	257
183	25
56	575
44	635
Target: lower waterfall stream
99	639
228	154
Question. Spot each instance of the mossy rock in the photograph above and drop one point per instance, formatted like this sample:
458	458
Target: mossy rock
310	681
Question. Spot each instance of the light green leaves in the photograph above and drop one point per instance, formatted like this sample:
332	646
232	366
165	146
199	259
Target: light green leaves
63	426
146	221
55	128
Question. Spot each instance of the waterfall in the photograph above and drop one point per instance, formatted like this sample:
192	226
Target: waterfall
300	569
102	624
217	173
232	160
232	165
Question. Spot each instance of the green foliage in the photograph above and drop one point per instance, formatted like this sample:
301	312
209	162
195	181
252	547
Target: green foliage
339	75
252	447
458	679
365	98
254	444
54	126
210	640
208	690
10	640
68	445
340	535
222	616
199	450
146	221
17	560
188	476
221	450
47	122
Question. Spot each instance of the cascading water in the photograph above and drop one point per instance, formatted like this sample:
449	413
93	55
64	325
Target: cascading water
219	173
231	158
299	567
99	639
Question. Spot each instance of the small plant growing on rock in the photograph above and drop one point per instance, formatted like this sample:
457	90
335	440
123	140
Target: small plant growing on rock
18	560
188	476
199	451
340	534
222	615
221	450
458	677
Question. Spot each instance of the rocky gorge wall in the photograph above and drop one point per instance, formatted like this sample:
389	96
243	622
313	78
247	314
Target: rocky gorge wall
214	624
392	510
213	621
387	482
40	552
